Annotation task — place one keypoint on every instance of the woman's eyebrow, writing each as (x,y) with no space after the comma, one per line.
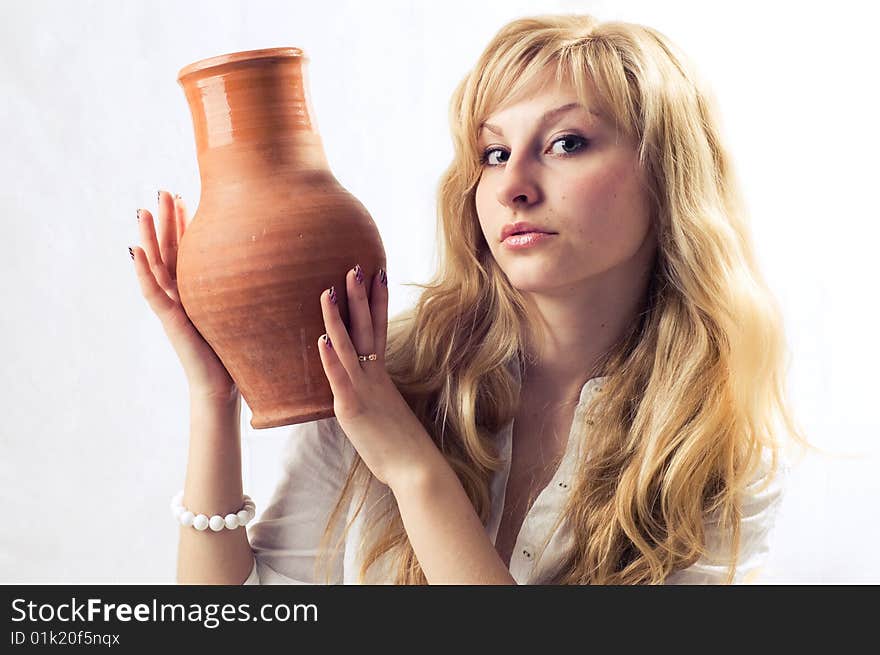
(546,118)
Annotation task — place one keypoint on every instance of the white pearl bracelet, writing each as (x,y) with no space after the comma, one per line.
(216,523)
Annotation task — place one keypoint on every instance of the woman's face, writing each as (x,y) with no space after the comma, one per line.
(571,175)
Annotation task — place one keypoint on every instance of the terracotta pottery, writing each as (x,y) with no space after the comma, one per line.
(273,230)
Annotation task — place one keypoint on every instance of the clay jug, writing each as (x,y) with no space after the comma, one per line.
(273,229)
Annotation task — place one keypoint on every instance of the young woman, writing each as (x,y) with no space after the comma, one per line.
(590,391)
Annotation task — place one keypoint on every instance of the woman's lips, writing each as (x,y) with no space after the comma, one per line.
(526,240)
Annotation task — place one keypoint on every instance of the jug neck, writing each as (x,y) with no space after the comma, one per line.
(252,116)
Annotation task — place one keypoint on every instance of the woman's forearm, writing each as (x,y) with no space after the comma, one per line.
(446,534)
(214,486)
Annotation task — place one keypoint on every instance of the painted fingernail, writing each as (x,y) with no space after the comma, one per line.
(358,274)
(327,342)
(333,294)
(383,278)
(131,252)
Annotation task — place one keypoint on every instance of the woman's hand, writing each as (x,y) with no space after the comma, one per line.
(156,267)
(377,420)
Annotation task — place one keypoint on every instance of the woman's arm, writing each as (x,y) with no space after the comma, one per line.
(449,540)
(213,486)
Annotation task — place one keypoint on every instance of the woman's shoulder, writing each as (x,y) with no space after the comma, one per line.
(762,494)
(767,485)
(759,503)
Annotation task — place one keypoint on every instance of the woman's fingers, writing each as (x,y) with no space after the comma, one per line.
(367,329)
(340,339)
(153,256)
(379,314)
(164,307)
(168,233)
(361,325)
(182,218)
(159,252)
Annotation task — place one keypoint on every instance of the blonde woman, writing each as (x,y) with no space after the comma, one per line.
(590,390)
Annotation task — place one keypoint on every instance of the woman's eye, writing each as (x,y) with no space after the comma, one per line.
(572,144)
(573,141)
(487,154)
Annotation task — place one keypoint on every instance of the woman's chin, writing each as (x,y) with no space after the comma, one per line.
(531,284)
(533,276)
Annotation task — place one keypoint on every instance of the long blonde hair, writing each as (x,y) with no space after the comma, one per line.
(696,388)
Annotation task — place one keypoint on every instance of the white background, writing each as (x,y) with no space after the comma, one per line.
(93,122)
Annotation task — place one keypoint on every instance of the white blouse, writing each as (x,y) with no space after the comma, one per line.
(318,456)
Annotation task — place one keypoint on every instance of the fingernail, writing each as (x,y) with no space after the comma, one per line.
(333,294)
(327,341)
(131,252)
(383,278)
(358,274)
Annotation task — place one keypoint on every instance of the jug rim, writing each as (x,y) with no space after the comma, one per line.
(236,57)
